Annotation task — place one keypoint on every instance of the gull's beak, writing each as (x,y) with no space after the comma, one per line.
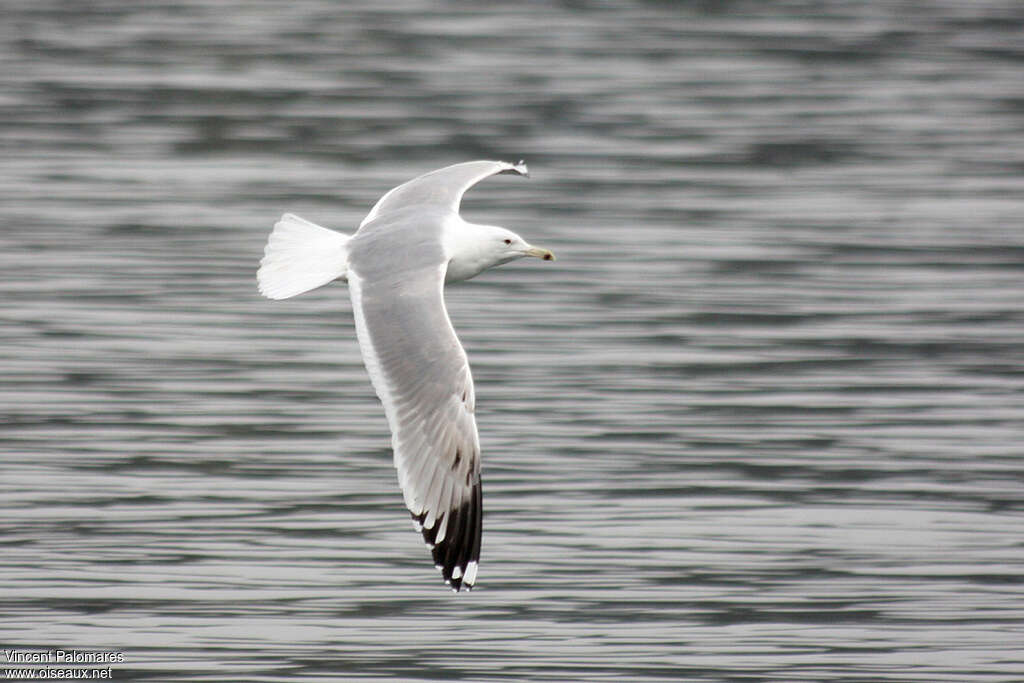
(540,253)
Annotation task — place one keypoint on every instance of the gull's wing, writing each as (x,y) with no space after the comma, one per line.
(442,188)
(422,377)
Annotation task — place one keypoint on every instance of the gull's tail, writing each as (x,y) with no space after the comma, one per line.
(301,256)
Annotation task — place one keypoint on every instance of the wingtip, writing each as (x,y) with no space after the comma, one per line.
(462,581)
(454,540)
(459,584)
(519,168)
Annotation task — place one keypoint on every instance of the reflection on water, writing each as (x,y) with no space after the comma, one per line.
(760,421)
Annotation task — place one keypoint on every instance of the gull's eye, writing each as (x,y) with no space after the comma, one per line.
(508,242)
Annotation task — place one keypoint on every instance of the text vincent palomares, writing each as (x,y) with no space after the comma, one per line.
(62,657)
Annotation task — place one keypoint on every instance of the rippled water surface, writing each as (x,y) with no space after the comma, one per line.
(761,421)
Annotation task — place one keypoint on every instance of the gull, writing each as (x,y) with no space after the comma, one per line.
(396,264)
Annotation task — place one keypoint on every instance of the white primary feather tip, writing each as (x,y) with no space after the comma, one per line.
(301,256)
(470,578)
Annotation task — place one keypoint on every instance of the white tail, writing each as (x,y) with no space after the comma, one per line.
(301,256)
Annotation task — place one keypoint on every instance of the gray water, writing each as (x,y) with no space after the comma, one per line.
(761,421)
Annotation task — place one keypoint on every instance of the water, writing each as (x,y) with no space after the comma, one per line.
(761,421)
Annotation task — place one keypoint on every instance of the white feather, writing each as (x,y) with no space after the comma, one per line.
(470,577)
(301,256)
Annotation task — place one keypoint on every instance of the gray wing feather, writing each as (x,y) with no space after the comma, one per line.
(442,188)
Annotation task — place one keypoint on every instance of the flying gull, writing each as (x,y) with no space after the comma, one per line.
(396,264)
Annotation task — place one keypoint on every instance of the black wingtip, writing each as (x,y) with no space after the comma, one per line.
(457,555)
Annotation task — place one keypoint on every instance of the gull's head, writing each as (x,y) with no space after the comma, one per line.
(507,246)
(475,248)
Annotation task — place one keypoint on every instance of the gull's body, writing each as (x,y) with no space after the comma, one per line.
(410,244)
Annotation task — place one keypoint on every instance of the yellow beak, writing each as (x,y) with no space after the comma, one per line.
(540,253)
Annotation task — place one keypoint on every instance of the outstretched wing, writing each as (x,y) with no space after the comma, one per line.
(422,376)
(442,188)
